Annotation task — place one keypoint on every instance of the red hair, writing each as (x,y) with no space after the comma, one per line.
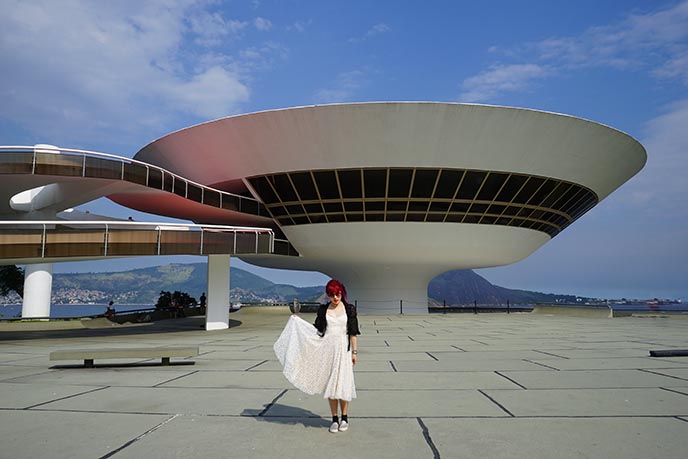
(334,287)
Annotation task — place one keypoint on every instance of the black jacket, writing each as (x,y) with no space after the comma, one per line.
(351,321)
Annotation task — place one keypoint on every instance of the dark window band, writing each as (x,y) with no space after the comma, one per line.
(423,195)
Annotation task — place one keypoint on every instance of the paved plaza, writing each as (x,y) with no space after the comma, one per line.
(444,386)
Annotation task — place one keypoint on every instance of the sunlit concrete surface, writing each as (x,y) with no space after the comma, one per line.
(448,386)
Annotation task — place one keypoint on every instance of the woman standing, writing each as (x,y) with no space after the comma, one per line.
(319,358)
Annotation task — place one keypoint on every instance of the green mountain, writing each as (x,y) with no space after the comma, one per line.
(464,287)
(143,286)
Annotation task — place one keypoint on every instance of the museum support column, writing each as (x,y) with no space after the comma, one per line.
(217,312)
(38,286)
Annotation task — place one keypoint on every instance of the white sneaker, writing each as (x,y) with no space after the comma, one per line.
(343,426)
(334,428)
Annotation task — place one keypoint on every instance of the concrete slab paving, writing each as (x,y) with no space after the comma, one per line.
(433,380)
(592,402)
(469,365)
(587,389)
(22,396)
(589,379)
(280,438)
(130,377)
(34,434)
(619,438)
(406,403)
(167,400)
(619,363)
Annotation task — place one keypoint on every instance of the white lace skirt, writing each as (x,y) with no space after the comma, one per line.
(317,365)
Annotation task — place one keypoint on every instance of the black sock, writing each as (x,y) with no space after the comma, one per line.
(345,418)
(335,419)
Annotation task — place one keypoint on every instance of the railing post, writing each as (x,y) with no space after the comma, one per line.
(508,311)
(107,237)
(401,306)
(444,303)
(201,248)
(43,241)
(475,306)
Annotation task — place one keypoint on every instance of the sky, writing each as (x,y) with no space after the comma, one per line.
(114,76)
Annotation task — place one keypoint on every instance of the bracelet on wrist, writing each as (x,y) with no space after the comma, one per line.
(354,351)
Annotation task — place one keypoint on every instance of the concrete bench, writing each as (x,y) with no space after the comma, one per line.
(88,355)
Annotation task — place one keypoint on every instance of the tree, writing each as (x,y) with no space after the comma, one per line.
(11,280)
(182,299)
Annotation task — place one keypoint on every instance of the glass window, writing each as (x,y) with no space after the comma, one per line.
(396,205)
(103,168)
(375,205)
(556,194)
(168,182)
(354,206)
(418,206)
(332,207)
(374,216)
(542,193)
(399,183)
(283,187)
(304,186)
(435,217)
(528,190)
(194,192)
(375,181)
(295,209)
(460,207)
(493,183)
(478,208)
(448,183)
(471,184)
(415,217)
(327,184)
(395,216)
(313,208)
(277,211)
(350,183)
(154,178)
(135,173)
(511,187)
(335,218)
(354,217)
(424,183)
(179,186)
(264,190)
(439,206)
(211,198)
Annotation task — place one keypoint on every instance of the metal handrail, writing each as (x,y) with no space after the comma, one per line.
(122,159)
(158,227)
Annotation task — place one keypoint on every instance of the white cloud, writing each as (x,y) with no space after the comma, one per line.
(377,29)
(262,24)
(659,191)
(76,69)
(498,79)
(343,89)
(298,26)
(656,42)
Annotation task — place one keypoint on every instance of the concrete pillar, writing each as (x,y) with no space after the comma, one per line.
(217,311)
(38,286)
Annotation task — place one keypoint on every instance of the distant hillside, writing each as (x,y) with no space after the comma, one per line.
(465,287)
(142,286)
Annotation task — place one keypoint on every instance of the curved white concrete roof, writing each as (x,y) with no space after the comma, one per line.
(401,134)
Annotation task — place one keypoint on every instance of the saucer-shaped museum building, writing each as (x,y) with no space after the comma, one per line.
(386,196)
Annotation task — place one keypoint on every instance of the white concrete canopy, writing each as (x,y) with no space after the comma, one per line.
(385,262)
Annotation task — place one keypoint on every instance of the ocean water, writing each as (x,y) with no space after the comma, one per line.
(87,310)
(74,310)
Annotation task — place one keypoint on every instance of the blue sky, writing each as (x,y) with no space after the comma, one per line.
(112,76)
